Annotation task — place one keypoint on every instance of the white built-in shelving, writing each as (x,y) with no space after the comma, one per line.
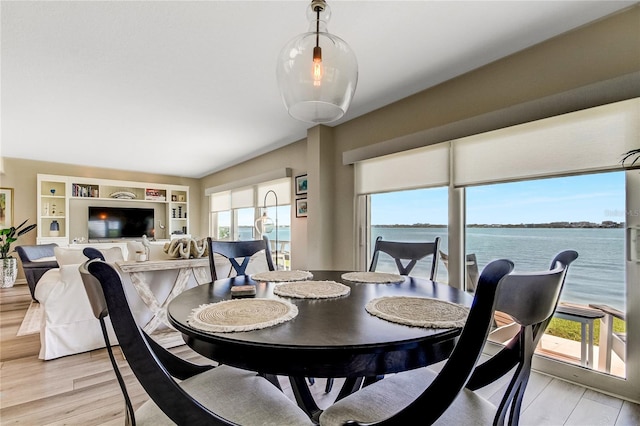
(57,195)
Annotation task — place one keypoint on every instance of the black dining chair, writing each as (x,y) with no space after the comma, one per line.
(448,397)
(181,392)
(234,250)
(407,254)
(533,314)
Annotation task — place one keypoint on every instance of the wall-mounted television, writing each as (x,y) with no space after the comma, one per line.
(120,222)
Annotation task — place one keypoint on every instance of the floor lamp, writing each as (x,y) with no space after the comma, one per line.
(264,224)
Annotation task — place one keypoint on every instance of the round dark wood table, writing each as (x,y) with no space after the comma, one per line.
(333,337)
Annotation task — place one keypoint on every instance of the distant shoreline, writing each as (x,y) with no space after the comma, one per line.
(559,225)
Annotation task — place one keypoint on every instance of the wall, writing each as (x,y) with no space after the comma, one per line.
(603,50)
(21,175)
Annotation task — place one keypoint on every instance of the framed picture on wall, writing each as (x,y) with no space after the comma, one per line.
(301,184)
(6,208)
(301,207)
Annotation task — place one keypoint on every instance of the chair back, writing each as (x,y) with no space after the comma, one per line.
(444,389)
(234,250)
(407,254)
(99,307)
(150,362)
(471,268)
(530,299)
(93,253)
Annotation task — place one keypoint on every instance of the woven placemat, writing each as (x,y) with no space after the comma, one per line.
(372,277)
(312,289)
(419,311)
(241,315)
(278,276)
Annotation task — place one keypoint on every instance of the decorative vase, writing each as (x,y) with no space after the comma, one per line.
(9,272)
(54,228)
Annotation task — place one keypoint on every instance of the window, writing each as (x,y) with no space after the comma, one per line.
(234,214)
(563,171)
(530,221)
(415,215)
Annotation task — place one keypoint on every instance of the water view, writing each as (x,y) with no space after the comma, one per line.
(597,276)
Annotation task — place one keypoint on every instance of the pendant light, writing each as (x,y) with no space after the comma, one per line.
(317,71)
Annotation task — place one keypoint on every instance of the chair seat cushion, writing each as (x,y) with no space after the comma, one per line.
(384,398)
(240,396)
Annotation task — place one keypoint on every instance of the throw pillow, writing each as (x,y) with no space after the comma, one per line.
(69,256)
(74,256)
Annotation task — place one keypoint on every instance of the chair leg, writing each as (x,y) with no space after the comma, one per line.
(329,385)
(130,416)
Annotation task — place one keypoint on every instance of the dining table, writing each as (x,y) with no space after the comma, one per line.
(335,337)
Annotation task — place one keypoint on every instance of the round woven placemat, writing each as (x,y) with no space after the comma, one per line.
(419,311)
(372,277)
(278,276)
(312,289)
(241,315)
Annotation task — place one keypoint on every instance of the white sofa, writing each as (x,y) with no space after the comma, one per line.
(69,326)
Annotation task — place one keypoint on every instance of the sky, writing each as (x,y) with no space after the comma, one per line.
(593,198)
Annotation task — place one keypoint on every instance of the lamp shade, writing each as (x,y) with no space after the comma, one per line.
(317,72)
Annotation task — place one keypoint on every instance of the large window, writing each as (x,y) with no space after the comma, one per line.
(234,215)
(415,215)
(529,222)
(525,193)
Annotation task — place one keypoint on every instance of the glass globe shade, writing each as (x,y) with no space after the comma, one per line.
(317,93)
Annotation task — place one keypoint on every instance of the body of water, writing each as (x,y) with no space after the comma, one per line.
(597,276)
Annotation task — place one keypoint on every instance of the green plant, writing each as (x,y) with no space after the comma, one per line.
(10,235)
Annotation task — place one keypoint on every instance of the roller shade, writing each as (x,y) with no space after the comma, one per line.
(582,141)
(221,201)
(282,188)
(242,198)
(416,168)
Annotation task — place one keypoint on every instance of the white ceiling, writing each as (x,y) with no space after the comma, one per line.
(187,88)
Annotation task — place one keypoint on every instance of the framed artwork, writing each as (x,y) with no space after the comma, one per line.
(6,208)
(301,207)
(301,184)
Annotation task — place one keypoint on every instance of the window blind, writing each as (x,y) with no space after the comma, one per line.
(582,141)
(415,168)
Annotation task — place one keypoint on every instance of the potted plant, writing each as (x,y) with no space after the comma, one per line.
(9,270)
(630,154)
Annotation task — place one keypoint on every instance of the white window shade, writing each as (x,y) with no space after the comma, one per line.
(221,201)
(582,141)
(416,168)
(282,188)
(242,198)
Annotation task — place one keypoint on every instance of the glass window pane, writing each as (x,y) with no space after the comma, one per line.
(530,222)
(223,228)
(414,215)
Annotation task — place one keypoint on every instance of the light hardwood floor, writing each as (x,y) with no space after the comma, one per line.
(82,390)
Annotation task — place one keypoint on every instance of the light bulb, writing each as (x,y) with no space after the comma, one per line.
(318,69)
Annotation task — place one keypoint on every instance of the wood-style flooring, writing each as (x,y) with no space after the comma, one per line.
(82,390)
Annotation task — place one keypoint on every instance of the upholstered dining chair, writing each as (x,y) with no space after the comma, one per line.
(448,397)
(407,254)
(201,395)
(233,250)
(423,394)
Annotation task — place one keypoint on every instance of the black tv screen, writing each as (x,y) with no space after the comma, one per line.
(120,222)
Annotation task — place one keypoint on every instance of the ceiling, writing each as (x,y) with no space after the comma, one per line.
(187,88)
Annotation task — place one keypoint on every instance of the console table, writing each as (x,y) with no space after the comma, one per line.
(142,277)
